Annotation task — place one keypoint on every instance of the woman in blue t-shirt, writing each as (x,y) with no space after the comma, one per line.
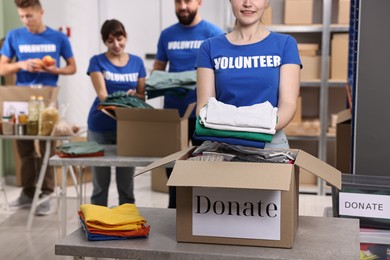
(114,70)
(251,65)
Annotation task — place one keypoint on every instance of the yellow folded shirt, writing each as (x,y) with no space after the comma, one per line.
(123,217)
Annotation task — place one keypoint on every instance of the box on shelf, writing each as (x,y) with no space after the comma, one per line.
(267,16)
(344,11)
(151,132)
(339,57)
(311,68)
(366,197)
(343,141)
(308,49)
(298,113)
(257,201)
(298,12)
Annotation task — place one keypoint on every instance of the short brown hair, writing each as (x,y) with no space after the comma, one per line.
(27,3)
(113,27)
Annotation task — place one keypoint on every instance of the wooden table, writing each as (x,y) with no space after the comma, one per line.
(317,238)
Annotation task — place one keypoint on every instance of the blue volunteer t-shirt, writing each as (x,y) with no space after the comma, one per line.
(23,45)
(248,74)
(179,46)
(116,79)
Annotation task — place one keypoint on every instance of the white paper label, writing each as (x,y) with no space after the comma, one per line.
(236,213)
(364,205)
(15,106)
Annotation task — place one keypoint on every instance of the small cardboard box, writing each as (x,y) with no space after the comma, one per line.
(151,132)
(339,57)
(308,49)
(311,68)
(344,11)
(267,16)
(343,141)
(298,12)
(240,203)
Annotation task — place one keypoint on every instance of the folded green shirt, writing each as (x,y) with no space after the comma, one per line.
(202,130)
(78,148)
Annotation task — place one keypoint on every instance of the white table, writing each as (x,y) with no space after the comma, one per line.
(110,159)
(36,201)
(317,238)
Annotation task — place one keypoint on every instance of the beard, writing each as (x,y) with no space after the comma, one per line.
(186,20)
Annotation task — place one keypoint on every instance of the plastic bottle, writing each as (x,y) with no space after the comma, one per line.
(32,123)
(32,109)
(40,108)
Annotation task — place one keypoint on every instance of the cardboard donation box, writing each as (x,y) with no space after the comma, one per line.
(298,12)
(240,203)
(151,132)
(22,94)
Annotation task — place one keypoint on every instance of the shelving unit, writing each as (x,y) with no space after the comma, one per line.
(322,29)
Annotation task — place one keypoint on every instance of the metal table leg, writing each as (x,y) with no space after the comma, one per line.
(38,187)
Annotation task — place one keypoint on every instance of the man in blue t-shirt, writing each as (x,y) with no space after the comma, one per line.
(28,45)
(178,47)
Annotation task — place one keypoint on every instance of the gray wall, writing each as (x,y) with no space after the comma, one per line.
(371,115)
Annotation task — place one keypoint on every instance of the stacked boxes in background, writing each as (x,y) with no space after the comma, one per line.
(298,12)
(267,16)
(344,11)
(311,61)
(339,57)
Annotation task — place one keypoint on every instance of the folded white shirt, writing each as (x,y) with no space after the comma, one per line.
(204,114)
(258,115)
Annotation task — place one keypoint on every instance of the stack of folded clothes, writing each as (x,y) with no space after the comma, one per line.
(247,125)
(122,99)
(118,223)
(162,82)
(79,149)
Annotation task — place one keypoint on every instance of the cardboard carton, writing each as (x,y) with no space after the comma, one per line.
(23,93)
(311,68)
(267,16)
(344,11)
(339,57)
(298,12)
(240,203)
(151,132)
(343,141)
(308,49)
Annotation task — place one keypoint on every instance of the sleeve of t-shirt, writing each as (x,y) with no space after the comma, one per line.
(204,58)
(161,54)
(66,49)
(142,70)
(7,49)
(291,54)
(93,65)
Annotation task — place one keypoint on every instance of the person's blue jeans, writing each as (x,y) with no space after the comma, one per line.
(101,176)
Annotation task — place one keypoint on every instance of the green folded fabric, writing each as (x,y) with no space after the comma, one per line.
(122,99)
(202,130)
(78,148)
(164,79)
